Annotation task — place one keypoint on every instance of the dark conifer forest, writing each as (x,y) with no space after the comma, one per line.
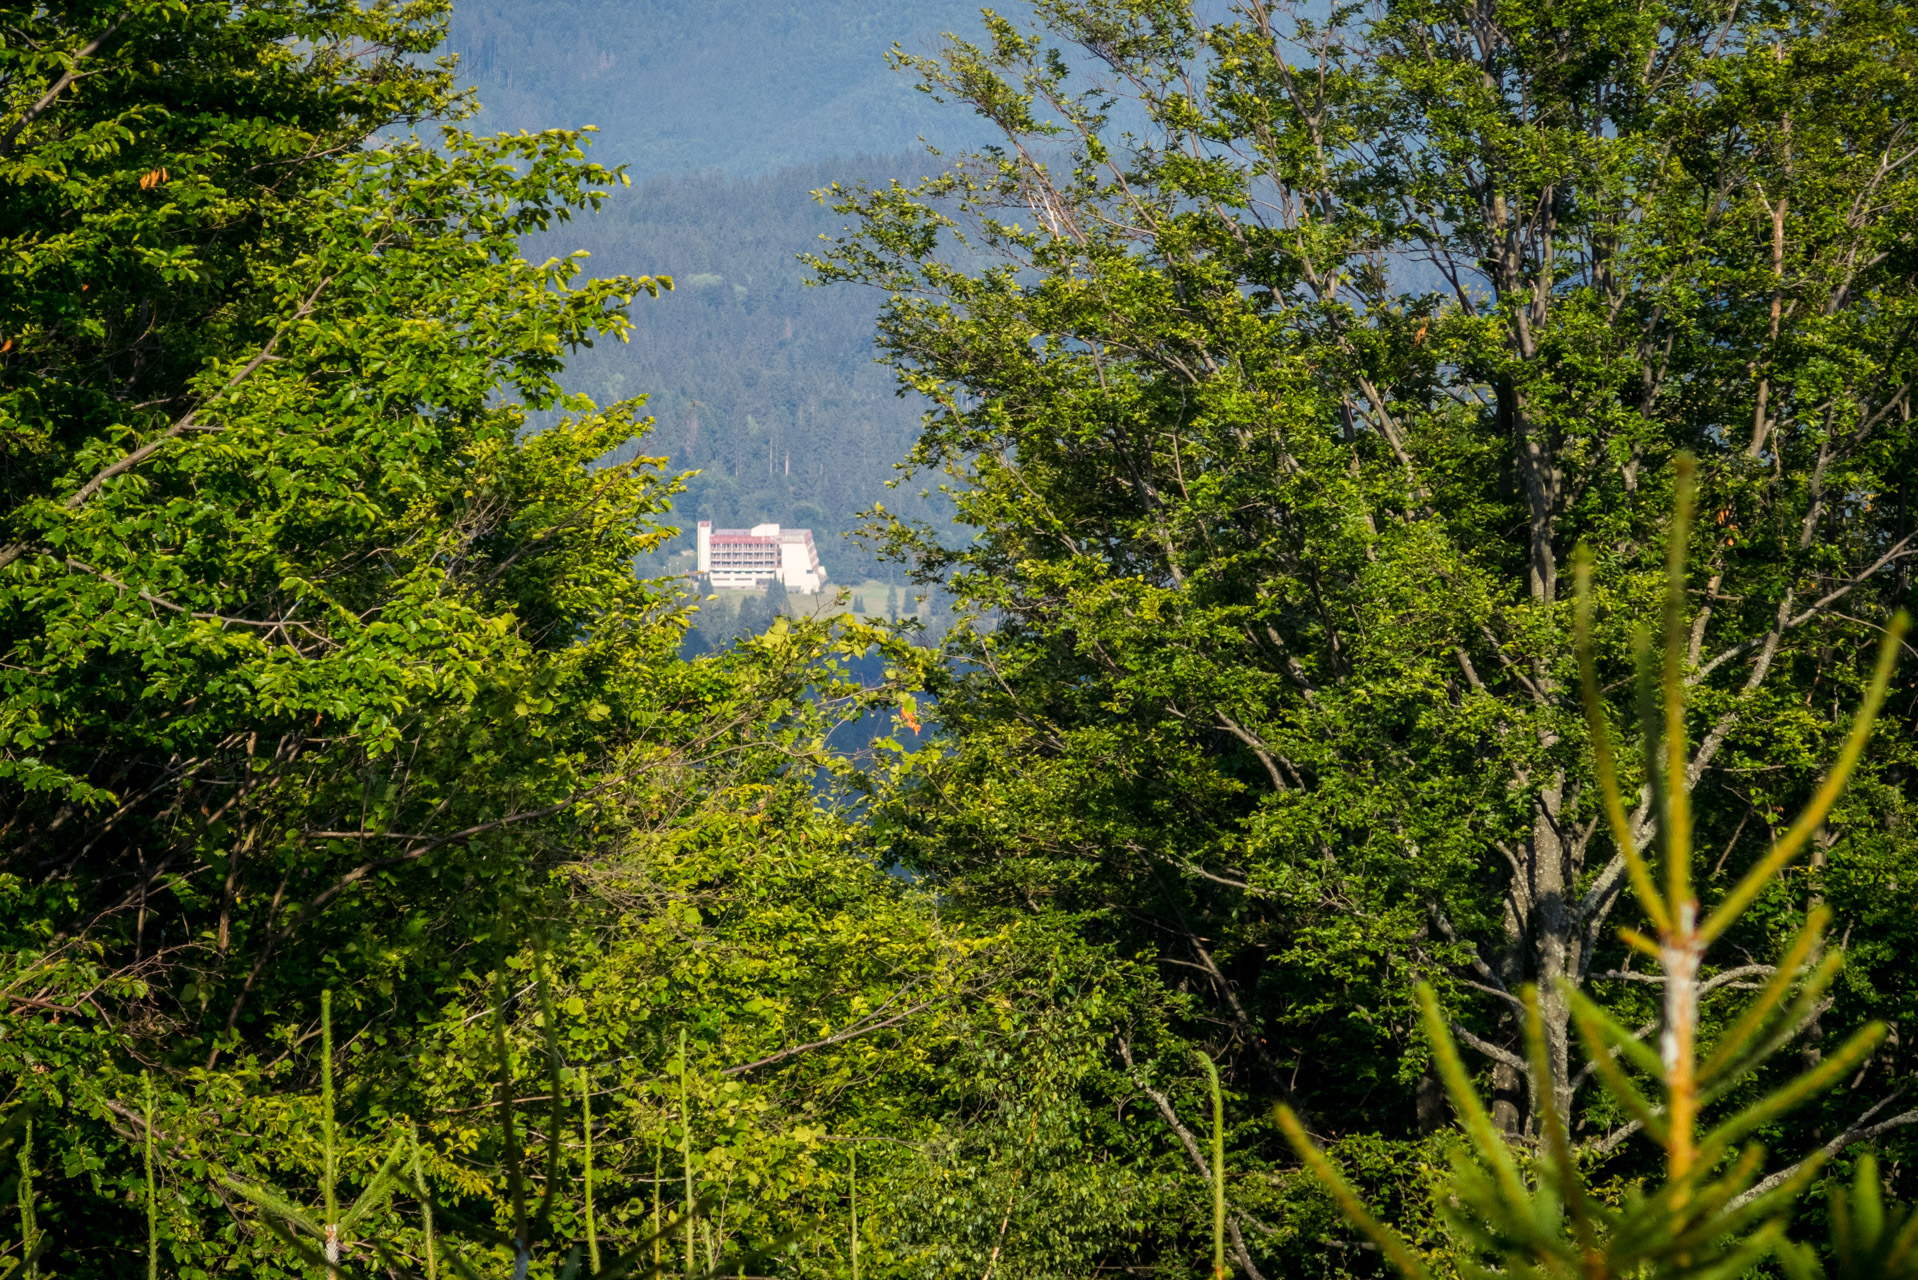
(765,386)
(1382,741)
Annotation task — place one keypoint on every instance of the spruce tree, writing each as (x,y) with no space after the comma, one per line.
(1712,1209)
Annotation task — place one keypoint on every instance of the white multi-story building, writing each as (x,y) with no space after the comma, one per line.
(748,559)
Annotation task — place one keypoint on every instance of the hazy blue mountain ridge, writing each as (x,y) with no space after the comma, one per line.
(740,86)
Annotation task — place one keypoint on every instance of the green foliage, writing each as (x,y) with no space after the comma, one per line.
(818,1002)
(1273,422)
(341,742)
(1218,1168)
(323,671)
(1869,1237)
(152,1190)
(270,598)
(32,1239)
(1710,1214)
(332,1226)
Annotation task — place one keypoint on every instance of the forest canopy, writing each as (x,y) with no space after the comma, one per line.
(1361,427)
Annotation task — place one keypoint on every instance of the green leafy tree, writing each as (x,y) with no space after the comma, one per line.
(321,665)
(748,997)
(1710,1213)
(1280,358)
(304,622)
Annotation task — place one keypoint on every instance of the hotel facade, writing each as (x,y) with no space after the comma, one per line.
(749,559)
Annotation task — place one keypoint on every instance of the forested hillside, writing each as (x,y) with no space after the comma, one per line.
(728,117)
(1417,774)
(767,387)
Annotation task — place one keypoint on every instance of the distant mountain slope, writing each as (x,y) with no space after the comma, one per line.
(741,86)
(764,384)
(728,113)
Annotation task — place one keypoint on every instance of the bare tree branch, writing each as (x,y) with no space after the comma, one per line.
(1232,727)
(67,77)
(1491,1050)
(1858,1131)
(863,1027)
(1729,978)
(1192,1150)
(1899,550)
(85,492)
